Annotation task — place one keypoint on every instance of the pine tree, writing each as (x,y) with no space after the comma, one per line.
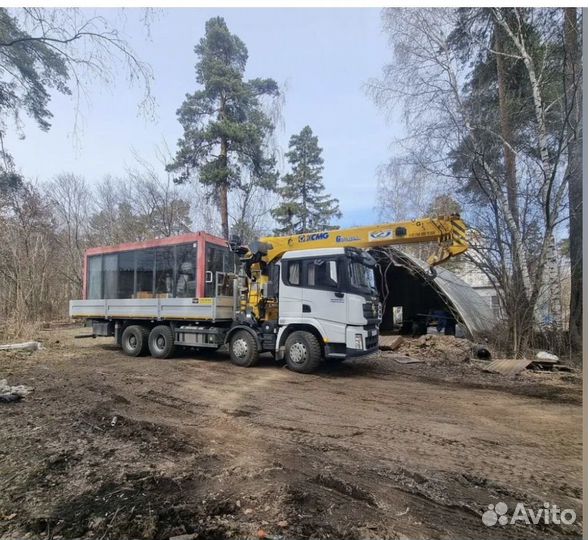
(305,206)
(225,127)
(41,52)
(573,94)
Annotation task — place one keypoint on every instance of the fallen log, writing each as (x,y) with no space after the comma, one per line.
(27,346)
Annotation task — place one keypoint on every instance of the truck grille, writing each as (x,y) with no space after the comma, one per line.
(370,310)
(371,342)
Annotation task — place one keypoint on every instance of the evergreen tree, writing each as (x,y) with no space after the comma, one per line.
(41,52)
(225,128)
(305,206)
(573,95)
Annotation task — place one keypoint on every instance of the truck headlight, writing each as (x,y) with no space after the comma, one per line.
(358,341)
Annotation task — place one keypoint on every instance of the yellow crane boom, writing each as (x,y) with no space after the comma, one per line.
(449,232)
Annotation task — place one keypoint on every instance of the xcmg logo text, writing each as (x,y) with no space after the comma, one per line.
(313,236)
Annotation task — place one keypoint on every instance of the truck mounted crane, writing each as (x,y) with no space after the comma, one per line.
(303,297)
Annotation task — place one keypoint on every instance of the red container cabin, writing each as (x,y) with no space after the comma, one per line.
(183,266)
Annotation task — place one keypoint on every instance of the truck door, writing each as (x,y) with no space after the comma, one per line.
(219,261)
(290,291)
(322,298)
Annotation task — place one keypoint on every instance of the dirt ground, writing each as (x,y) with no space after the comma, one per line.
(108,446)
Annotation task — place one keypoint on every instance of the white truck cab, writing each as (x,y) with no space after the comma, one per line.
(331,292)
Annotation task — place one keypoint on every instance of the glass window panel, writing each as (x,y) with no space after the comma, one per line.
(333,274)
(362,276)
(110,276)
(321,273)
(211,267)
(144,263)
(164,272)
(310,276)
(294,273)
(185,274)
(126,274)
(217,260)
(94,286)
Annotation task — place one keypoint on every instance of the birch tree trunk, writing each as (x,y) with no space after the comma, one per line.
(550,211)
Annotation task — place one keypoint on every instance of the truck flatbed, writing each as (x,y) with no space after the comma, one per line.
(213,309)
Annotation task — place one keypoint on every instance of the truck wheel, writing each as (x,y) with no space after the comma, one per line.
(243,349)
(134,340)
(161,342)
(303,352)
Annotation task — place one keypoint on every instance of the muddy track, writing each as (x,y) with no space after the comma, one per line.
(114,447)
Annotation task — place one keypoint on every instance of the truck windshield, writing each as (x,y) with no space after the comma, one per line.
(362,276)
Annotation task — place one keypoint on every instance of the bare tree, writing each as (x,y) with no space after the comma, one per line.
(112,220)
(70,198)
(405,190)
(164,204)
(27,260)
(250,211)
(139,206)
(453,135)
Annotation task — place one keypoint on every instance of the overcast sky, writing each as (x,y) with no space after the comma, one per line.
(322,57)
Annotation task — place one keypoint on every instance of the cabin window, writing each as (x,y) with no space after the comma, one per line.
(95,277)
(185,275)
(294,272)
(164,272)
(126,274)
(218,261)
(110,269)
(145,262)
(321,274)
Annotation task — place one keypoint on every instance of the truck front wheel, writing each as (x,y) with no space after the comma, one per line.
(134,340)
(303,352)
(243,349)
(161,342)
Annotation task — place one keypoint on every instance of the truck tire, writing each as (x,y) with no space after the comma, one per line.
(134,340)
(161,342)
(243,349)
(303,352)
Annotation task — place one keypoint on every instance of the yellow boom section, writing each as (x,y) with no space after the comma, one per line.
(449,232)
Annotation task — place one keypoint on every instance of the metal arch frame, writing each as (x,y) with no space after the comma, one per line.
(417,266)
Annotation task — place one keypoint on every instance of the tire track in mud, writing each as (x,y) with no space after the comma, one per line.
(303,438)
(350,452)
(401,479)
(456,453)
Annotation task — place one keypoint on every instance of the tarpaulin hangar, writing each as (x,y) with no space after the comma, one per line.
(405,282)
